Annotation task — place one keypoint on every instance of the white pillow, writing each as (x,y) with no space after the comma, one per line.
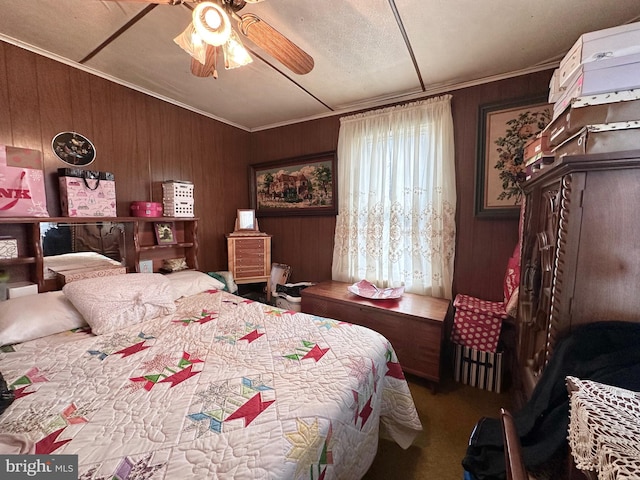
(34,316)
(111,303)
(190,282)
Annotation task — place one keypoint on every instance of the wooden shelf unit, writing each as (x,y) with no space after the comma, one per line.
(140,244)
(146,248)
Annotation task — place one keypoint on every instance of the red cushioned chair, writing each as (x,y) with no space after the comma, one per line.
(477,323)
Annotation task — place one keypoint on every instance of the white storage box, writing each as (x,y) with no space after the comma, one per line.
(477,368)
(177,190)
(178,208)
(607,75)
(555,92)
(610,42)
(177,198)
(21,289)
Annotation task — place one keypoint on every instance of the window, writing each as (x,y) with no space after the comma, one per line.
(396,188)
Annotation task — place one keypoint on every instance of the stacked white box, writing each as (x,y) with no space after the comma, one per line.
(599,62)
(596,93)
(177,198)
(595,46)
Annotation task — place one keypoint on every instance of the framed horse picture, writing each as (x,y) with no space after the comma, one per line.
(295,186)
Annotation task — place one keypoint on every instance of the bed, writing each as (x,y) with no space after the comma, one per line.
(167,376)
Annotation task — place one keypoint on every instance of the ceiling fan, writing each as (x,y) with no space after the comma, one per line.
(210,33)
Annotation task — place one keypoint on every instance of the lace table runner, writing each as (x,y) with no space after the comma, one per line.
(604,429)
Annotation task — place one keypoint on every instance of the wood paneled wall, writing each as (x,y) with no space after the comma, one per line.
(483,246)
(303,242)
(143,141)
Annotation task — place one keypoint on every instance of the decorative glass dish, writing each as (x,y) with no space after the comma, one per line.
(366,289)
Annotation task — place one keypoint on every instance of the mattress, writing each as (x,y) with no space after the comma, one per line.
(223,388)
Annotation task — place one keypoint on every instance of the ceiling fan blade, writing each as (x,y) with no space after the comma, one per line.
(275,44)
(209,67)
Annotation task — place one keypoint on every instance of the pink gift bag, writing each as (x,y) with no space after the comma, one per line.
(22,192)
(87,193)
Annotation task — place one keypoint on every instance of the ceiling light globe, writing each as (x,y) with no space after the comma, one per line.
(212,19)
(211,23)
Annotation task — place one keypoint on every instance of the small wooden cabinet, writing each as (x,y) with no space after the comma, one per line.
(414,324)
(250,258)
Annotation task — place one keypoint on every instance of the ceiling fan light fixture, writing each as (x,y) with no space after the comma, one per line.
(211,23)
(190,42)
(235,55)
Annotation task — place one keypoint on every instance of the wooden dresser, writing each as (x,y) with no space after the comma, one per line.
(580,253)
(414,324)
(250,258)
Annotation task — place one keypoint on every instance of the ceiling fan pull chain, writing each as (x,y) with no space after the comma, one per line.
(215,63)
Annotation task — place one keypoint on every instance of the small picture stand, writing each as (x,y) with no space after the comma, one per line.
(246,223)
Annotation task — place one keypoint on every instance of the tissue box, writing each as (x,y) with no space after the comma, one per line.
(477,368)
(8,247)
(20,289)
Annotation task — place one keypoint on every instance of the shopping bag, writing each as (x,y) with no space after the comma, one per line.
(87,193)
(22,191)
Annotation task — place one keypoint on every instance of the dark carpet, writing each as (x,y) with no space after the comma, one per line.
(448,417)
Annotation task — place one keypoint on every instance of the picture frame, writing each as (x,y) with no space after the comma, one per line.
(246,220)
(145,266)
(295,186)
(165,233)
(504,128)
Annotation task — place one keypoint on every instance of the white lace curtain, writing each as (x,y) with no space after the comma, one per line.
(397,198)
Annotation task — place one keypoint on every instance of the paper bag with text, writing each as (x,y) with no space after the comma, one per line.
(22,191)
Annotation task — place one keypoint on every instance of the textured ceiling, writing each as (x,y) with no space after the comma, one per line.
(367,52)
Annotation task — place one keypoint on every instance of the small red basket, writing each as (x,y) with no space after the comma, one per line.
(146,209)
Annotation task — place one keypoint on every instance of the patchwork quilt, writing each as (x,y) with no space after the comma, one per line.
(223,388)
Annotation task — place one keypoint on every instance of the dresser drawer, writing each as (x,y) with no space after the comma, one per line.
(249,245)
(250,271)
(250,260)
